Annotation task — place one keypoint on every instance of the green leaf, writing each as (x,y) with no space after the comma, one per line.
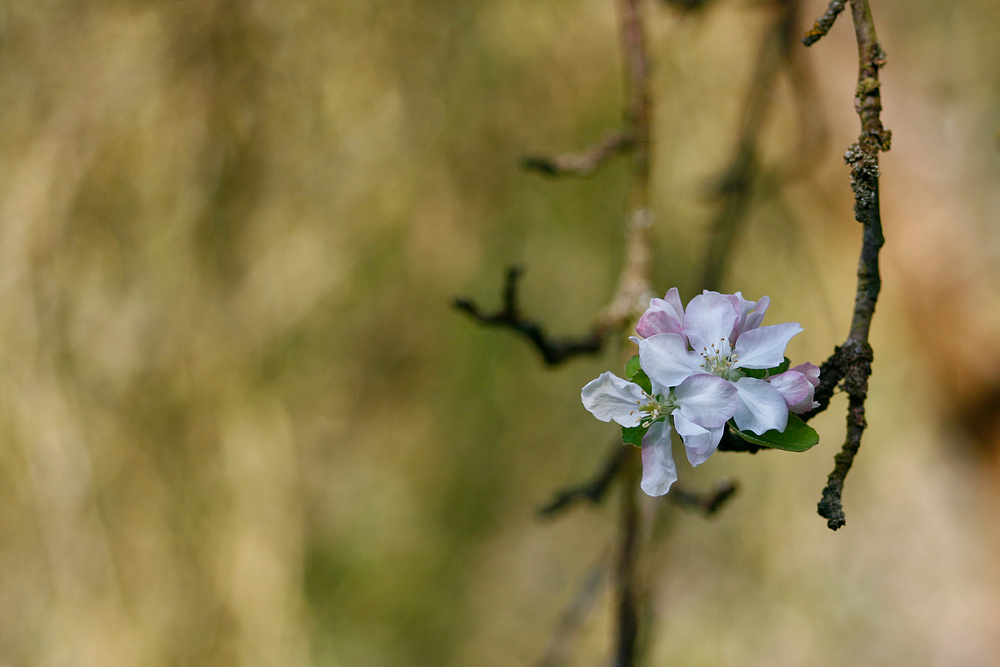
(632,435)
(641,379)
(635,374)
(632,367)
(761,373)
(797,436)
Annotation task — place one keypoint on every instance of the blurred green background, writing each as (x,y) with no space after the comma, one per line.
(240,423)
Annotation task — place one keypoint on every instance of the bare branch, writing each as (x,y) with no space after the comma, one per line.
(554,351)
(853,360)
(583,163)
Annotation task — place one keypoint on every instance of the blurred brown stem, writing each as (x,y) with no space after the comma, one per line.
(583,163)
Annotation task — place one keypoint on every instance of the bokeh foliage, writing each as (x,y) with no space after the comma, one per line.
(240,423)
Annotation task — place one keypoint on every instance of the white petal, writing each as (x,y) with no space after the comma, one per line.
(667,361)
(611,398)
(673,299)
(659,471)
(751,314)
(761,407)
(707,400)
(764,347)
(699,443)
(708,321)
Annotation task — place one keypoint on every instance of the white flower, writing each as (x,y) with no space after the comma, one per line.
(699,407)
(725,334)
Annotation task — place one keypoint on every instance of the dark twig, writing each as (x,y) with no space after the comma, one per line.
(824,23)
(854,358)
(707,503)
(554,350)
(593,490)
(583,163)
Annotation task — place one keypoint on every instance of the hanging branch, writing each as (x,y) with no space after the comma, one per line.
(852,361)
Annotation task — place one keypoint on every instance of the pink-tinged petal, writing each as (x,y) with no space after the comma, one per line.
(708,321)
(764,347)
(796,389)
(810,371)
(667,361)
(659,471)
(657,321)
(707,400)
(761,407)
(611,398)
(699,443)
(663,316)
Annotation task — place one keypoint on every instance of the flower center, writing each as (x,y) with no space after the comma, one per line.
(656,407)
(720,359)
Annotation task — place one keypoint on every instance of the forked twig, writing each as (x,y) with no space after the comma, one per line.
(554,351)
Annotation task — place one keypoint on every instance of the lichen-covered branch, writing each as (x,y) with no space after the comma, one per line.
(852,361)
(824,23)
(554,351)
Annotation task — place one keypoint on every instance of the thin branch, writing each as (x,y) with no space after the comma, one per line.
(554,351)
(743,176)
(593,490)
(572,618)
(855,356)
(583,163)
(707,503)
(824,23)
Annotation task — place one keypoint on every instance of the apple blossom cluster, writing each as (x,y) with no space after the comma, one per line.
(699,369)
